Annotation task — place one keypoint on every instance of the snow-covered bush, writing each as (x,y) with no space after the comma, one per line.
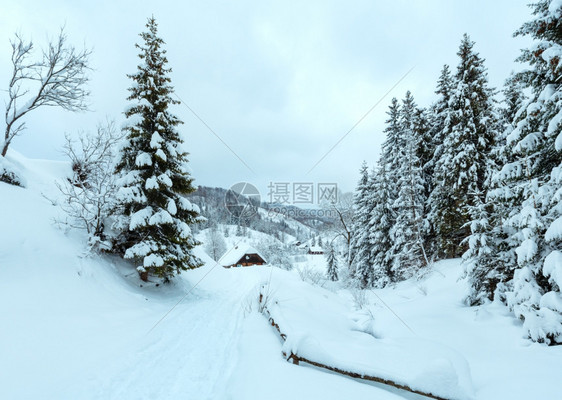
(10,174)
(312,276)
(215,246)
(275,253)
(359,296)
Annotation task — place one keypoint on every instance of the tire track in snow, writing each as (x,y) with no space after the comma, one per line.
(191,355)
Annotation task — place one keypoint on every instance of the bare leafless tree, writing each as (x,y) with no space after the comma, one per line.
(57,79)
(90,193)
(342,210)
(215,246)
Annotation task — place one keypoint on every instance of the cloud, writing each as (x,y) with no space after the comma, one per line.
(281,82)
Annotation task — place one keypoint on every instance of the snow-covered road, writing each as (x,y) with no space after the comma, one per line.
(214,345)
(188,355)
(191,353)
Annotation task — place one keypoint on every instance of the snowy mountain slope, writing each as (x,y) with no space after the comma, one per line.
(73,327)
(251,236)
(276,216)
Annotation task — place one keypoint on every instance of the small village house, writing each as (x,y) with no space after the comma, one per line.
(315,250)
(242,256)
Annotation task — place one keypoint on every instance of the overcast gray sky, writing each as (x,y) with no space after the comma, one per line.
(280,82)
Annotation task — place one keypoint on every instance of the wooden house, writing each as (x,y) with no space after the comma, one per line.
(242,256)
(315,250)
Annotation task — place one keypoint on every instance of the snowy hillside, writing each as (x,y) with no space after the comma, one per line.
(78,326)
(74,327)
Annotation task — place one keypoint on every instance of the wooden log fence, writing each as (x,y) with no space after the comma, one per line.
(296,359)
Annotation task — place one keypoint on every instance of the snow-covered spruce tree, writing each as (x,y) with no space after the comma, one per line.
(514,98)
(361,266)
(332,264)
(425,147)
(153,214)
(380,225)
(509,112)
(534,178)
(377,217)
(438,194)
(490,259)
(393,145)
(425,152)
(469,137)
(407,248)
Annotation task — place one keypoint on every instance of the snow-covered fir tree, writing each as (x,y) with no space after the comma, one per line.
(533,180)
(153,216)
(490,259)
(438,114)
(514,97)
(425,152)
(377,216)
(487,260)
(361,267)
(425,147)
(332,263)
(407,248)
(437,196)
(469,137)
(380,225)
(393,144)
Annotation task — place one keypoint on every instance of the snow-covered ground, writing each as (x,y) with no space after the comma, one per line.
(73,326)
(504,364)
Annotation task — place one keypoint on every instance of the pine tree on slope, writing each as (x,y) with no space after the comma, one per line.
(438,196)
(407,249)
(488,258)
(489,262)
(394,144)
(425,147)
(514,98)
(379,232)
(425,152)
(153,217)
(470,134)
(361,262)
(535,178)
(332,270)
